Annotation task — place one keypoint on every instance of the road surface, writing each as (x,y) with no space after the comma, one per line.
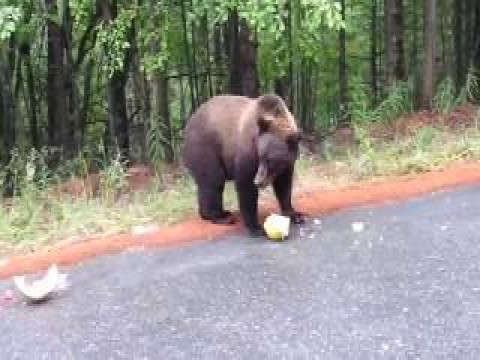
(407,286)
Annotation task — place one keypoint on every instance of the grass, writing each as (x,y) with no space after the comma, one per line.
(428,149)
(35,218)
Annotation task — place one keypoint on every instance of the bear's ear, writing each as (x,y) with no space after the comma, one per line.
(271,104)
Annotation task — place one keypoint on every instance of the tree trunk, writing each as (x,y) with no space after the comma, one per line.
(188,56)
(209,64)
(7,112)
(475,62)
(342,72)
(161,112)
(73,98)
(58,130)
(218,58)
(117,112)
(373,53)
(283,85)
(243,79)
(118,125)
(32,103)
(395,62)
(193,68)
(468,32)
(458,44)
(8,119)
(429,64)
(83,112)
(141,104)
(476,50)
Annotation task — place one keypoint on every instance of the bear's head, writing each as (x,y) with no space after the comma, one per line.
(275,155)
(275,118)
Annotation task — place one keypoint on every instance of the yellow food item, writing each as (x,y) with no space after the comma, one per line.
(277,227)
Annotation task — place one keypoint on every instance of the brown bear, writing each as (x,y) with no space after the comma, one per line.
(253,142)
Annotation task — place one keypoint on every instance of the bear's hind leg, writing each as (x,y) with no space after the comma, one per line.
(210,203)
(209,175)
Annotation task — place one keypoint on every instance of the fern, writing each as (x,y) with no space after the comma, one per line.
(472,87)
(445,99)
(156,140)
(397,103)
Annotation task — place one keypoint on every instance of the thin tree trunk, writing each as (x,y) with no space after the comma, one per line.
(373,53)
(83,113)
(443,38)
(475,62)
(209,65)
(243,78)
(283,85)
(161,112)
(188,57)
(141,102)
(32,103)
(7,111)
(468,33)
(118,118)
(118,126)
(72,120)
(395,62)
(342,71)
(217,55)
(194,64)
(58,130)
(8,120)
(429,65)
(458,44)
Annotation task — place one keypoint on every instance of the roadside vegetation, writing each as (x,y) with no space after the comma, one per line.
(71,204)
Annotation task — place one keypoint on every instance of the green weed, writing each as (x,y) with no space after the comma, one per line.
(445,99)
(33,217)
(397,103)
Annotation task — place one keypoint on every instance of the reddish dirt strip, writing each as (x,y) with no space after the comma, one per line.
(313,203)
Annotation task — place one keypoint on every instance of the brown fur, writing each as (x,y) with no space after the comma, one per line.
(222,143)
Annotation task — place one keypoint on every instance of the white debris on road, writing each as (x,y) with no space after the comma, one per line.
(358,226)
(144,229)
(40,289)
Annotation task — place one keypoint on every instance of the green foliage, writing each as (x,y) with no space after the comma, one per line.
(445,99)
(9,19)
(424,138)
(397,103)
(156,140)
(428,149)
(27,171)
(159,36)
(268,20)
(113,179)
(113,37)
(472,87)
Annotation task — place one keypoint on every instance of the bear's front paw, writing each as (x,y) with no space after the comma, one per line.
(257,232)
(296,217)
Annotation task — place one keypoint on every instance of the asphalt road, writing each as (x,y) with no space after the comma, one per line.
(407,286)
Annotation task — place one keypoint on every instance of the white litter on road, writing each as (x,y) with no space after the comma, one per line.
(358,226)
(40,289)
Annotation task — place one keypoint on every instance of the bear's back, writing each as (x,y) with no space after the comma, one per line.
(226,125)
(224,119)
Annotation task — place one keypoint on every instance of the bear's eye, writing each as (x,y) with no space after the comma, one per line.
(270,164)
